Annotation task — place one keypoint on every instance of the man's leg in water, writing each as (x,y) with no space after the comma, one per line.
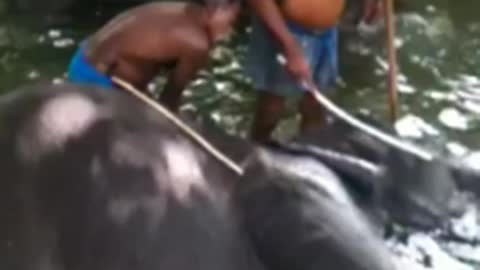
(312,114)
(272,82)
(268,112)
(325,72)
(183,73)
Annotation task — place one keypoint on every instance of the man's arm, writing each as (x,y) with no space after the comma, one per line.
(269,12)
(186,68)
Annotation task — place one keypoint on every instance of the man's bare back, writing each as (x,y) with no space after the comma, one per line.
(133,44)
(137,44)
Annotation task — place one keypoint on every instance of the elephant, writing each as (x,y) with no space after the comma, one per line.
(94,179)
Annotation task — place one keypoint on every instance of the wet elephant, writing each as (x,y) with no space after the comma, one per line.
(93,179)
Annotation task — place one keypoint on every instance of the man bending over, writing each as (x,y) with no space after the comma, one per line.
(137,44)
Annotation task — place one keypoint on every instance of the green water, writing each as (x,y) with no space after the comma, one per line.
(439,59)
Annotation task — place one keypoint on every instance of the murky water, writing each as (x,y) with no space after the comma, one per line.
(439,84)
(439,80)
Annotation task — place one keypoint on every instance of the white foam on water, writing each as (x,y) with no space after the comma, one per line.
(33,74)
(466,226)
(57,81)
(421,247)
(412,126)
(456,148)
(471,106)
(440,96)
(454,119)
(63,43)
(406,89)
(54,33)
(41,39)
(464,252)
(472,161)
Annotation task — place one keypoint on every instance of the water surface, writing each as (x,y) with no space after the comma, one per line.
(439,80)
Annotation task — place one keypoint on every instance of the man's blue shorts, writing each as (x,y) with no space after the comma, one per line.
(81,71)
(268,74)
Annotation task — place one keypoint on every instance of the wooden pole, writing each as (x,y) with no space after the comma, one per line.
(238,169)
(392,60)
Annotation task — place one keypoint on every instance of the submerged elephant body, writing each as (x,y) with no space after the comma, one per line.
(95,180)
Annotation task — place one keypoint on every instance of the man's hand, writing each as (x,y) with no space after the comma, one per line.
(297,65)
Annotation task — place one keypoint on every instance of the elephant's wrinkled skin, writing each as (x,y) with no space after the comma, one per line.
(93,179)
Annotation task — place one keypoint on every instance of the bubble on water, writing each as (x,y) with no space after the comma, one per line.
(406,89)
(188,107)
(398,42)
(365,111)
(359,49)
(366,30)
(188,93)
(415,59)
(381,62)
(439,258)
(57,81)
(63,43)
(230,121)
(54,33)
(452,118)
(401,78)
(33,74)
(466,226)
(467,86)
(472,161)
(467,253)
(221,86)
(420,248)
(440,96)
(41,39)
(456,148)
(216,117)
(235,65)
(151,88)
(425,104)
(471,106)
(431,8)
(442,53)
(198,82)
(469,79)
(236,97)
(412,126)
(468,95)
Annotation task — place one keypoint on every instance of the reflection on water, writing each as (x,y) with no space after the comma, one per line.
(439,82)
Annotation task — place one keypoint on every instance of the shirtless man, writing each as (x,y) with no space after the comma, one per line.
(305,33)
(138,43)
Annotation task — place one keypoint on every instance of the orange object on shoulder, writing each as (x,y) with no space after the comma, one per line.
(313,14)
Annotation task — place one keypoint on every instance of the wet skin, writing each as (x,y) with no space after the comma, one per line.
(90,185)
(139,43)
